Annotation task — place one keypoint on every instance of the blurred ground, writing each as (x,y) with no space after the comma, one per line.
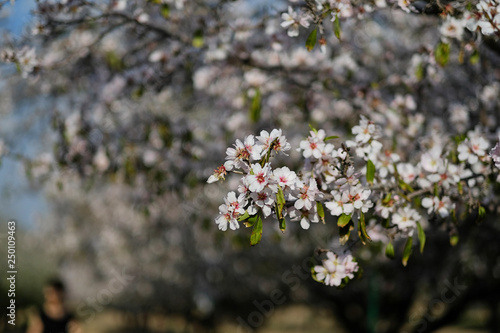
(294,318)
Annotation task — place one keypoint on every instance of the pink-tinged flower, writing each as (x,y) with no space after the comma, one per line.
(230,211)
(259,177)
(447,175)
(495,155)
(350,266)
(237,157)
(226,217)
(307,195)
(265,200)
(253,149)
(359,198)
(473,148)
(274,140)
(440,206)
(314,144)
(218,174)
(285,177)
(292,20)
(236,204)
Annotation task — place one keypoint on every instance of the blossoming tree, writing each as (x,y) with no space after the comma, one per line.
(400,100)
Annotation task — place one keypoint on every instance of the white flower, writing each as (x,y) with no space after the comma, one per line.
(351,179)
(275,141)
(265,200)
(473,148)
(407,172)
(230,211)
(328,153)
(406,219)
(404,5)
(453,28)
(27,61)
(385,163)
(431,160)
(441,206)
(334,269)
(350,266)
(293,20)
(285,177)
(218,174)
(314,144)
(307,195)
(495,155)
(447,175)
(365,131)
(305,216)
(242,153)
(101,160)
(260,178)
(340,204)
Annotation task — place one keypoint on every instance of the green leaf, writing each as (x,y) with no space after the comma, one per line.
(336,27)
(256,232)
(280,198)
(243,217)
(442,53)
(198,40)
(482,212)
(343,220)
(256,106)
(282,223)
(321,211)
(474,58)
(421,237)
(313,129)
(370,171)
(389,251)
(331,137)
(419,72)
(454,239)
(407,251)
(311,40)
(165,10)
(250,221)
(363,235)
(345,232)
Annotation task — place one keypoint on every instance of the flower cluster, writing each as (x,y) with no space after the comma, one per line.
(334,270)
(358,178)
(25,59)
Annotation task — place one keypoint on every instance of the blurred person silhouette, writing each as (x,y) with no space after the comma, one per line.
(53,317)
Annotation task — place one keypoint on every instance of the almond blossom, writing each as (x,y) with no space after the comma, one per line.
(441,206)
(292,20)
